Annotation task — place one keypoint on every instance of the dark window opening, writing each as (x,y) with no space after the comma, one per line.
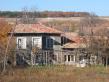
(68,57)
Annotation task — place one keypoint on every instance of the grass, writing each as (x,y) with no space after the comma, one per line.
(57,74)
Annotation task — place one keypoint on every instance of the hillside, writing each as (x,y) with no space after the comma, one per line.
(77,19)
(42,14)
(60,23)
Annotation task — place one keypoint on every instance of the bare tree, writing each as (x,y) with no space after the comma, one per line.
(29,16)
(88,24)
(7,47)
(87,28)
(103,45)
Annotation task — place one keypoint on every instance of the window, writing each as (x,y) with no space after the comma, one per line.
(36,41)
(72,58)
(68,58)
(49,43)
(21,43)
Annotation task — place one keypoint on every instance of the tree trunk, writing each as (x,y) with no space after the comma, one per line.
(106,62)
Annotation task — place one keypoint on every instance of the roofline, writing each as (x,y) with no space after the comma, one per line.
(35,34)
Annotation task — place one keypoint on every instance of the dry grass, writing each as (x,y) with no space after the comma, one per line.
(57,74)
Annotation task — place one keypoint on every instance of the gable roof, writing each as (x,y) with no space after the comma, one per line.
(74,37)
(77,41)
(34,28)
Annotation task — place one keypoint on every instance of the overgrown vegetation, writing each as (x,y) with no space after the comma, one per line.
(56,74)
(95,37)
(5,28)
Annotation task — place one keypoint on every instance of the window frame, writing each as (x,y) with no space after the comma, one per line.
(21,43)
(69,58)
(37,43)
(49,42)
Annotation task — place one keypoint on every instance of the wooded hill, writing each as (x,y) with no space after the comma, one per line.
(44,14)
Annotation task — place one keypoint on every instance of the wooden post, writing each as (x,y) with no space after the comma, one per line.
(74,58)
(106,62)
(32,59)
(61,57)
(46,56)
(57,58)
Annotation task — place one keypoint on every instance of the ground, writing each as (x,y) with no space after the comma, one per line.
(57,74)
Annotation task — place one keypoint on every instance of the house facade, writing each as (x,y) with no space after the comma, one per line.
(35,40)
(38,44)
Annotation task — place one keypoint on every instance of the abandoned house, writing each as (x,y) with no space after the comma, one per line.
(38,44)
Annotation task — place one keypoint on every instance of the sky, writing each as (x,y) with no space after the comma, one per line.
(99,7)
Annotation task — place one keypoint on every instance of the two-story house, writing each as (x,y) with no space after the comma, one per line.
(39,44)
(29,36)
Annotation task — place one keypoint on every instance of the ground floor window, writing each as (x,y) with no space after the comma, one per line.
(69,58)
(72,58)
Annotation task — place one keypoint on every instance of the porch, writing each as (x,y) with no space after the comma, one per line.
(46,57)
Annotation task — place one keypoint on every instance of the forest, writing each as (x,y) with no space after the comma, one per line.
(43,14)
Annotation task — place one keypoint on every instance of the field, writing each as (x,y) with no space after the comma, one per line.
(56,74)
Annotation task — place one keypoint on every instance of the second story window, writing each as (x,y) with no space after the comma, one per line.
(36,42)
(49,43)
(21,43)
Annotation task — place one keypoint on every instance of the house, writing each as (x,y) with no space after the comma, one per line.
(38,44)
(44,39)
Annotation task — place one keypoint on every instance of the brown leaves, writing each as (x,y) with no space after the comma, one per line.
(4,29)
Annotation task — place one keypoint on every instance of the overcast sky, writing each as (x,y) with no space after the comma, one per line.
(100,7)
